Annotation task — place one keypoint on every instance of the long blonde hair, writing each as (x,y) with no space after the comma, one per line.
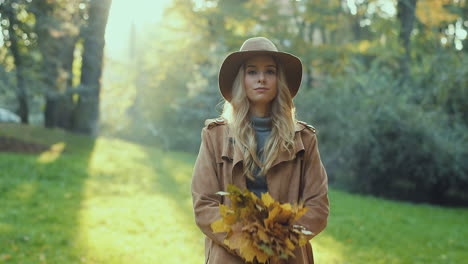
(281,138)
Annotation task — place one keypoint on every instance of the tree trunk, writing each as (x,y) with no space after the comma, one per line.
(21,95)
(406,15)
(57,47)
(59,104)
(65,106)
(86,115)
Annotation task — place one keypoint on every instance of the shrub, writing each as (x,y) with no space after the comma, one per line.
(406,153)
(180,128)
(376,139)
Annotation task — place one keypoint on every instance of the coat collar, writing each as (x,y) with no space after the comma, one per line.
(232,152)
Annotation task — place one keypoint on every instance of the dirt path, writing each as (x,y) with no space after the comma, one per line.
(8,144)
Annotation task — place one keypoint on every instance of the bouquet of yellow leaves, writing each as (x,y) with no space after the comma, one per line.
(260,229)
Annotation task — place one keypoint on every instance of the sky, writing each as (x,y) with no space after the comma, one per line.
(122,14)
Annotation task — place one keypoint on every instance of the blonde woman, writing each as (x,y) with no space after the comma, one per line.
(258,144)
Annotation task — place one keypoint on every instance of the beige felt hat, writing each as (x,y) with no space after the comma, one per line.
(291,64)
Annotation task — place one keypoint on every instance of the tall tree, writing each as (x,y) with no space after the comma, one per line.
(57,27)
(9,9)
(406,15)
(86,115)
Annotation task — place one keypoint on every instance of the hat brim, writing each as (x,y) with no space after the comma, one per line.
(291,66)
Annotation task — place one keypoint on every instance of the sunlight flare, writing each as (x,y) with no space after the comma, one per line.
(52,154)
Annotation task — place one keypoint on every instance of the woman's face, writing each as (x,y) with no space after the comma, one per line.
(260,81)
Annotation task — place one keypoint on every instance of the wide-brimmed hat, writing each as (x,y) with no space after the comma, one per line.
(291,65)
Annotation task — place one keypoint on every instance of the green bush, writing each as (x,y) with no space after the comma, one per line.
(180,127)
(405,153)
(443,82)
(375,139)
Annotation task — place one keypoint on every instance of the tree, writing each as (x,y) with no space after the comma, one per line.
(57,26)
(86,114)
(9,9)
(406,15)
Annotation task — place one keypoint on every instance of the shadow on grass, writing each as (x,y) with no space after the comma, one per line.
(95,201)
(40,197)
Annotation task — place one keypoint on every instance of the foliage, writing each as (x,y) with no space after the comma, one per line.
(260,229)
(7,96)
(187,112)
(351,54)
(413,155)
(97,205)
(353,89)
(442,87)
(43,40)
(381,141)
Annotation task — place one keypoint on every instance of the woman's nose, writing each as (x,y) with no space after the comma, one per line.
(261,77)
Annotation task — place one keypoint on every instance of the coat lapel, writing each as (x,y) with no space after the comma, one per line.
(230,150)
(298,146)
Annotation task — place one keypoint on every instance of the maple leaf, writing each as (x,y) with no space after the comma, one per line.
(219,226)
(260,229)
(267,199)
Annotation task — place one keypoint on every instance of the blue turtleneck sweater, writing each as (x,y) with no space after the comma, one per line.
(262,127)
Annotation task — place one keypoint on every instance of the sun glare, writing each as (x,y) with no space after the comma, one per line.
(52,154)
(130,213)
(123,13)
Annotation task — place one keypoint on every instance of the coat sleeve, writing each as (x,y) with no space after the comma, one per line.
(205,184)
(315,190)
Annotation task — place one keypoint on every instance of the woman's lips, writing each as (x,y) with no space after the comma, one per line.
(261,89)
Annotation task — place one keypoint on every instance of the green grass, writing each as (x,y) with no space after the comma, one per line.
(109,201)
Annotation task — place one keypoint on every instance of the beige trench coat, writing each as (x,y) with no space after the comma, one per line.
(219,163)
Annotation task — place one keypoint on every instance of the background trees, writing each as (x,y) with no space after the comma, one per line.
(47,40)
(385,81)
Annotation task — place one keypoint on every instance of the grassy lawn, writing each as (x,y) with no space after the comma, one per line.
(109,201)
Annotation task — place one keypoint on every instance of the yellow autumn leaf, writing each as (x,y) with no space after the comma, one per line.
(262,235)
(253,196)
(303,241)
(267,199)
(300,213)
(289,244)
(230,219)
(224,210)
(262,258)
(219,226)
(271,217)
(248,251)
(286,206)
(284,216)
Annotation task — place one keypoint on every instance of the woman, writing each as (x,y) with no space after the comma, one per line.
(258,144)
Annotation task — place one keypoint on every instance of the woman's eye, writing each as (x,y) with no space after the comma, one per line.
(252,72)
(272,72)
